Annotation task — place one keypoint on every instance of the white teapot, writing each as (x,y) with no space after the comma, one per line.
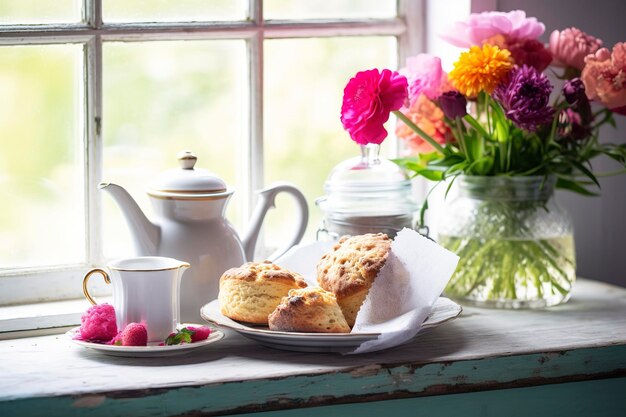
(189,204)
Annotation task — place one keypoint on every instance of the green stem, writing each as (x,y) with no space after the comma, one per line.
(460,137)
(474,123)
(419,131)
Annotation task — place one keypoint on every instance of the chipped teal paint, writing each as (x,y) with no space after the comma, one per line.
(603,398)
(361,384)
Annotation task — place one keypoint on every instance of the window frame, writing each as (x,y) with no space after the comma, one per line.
(61,281)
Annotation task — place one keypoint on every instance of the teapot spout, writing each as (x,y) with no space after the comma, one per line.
(146,234)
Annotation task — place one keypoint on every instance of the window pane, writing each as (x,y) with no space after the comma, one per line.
(39,11)
(161,98)
(42,219)
(324,9)
(173,10)
(304,138)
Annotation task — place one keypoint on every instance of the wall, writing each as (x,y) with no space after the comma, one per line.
(600,222)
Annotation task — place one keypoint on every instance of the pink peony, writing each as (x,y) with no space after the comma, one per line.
(134,334)
(570,47)
(368,99)
(482,26)
(604,76)
(425,76)
(428,117)
(98,324)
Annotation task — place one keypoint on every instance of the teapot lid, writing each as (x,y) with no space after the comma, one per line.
(187,182)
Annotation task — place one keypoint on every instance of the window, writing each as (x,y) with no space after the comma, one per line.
(94,90)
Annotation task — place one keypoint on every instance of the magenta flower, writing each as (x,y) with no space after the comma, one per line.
(569,47)
(482,26)
(425,76)
(525,98)
(604,77)
(368,99)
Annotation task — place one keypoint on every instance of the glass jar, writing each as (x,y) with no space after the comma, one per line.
(366,194)
(515,243)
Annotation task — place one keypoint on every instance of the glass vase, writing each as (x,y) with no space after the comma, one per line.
(515,243)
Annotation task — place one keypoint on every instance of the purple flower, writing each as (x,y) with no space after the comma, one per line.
(453,104)
(574,91)
(525,98)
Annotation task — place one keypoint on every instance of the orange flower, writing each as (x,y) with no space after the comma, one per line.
(428,117)
(480,69)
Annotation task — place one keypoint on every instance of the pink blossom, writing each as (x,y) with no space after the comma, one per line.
(604,76)
(368,99)
(425,114)
(569,47)
(98,324)
(425,76)
(482,26)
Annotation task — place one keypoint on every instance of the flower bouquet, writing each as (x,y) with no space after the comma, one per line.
(496,125)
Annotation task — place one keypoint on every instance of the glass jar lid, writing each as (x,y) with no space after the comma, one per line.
(367,186)
(187,181)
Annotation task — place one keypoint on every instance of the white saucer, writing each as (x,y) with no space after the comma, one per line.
(152,350)
(444,310)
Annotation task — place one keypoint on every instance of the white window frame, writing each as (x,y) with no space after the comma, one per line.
(63,282)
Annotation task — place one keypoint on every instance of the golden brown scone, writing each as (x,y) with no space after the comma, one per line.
(309,310)
(252,291)
(350,268)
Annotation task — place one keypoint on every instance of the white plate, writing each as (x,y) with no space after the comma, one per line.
(443,310)
(152,350)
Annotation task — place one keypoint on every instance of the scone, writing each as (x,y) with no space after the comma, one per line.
(252,291)
(309,310)
(350,268)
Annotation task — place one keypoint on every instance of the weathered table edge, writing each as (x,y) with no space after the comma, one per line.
(350,385)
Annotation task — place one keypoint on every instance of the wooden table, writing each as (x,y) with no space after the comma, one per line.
(569,360)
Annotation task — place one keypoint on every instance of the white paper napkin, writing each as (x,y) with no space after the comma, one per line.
(404,292)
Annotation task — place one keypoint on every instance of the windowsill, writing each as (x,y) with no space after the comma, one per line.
(483,350)
(37,319)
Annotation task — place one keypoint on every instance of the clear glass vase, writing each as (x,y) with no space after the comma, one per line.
(515,243)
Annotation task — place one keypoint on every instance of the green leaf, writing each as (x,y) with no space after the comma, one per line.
(449,187)
(182,336)
(585,171)
(477,126)
(573,186)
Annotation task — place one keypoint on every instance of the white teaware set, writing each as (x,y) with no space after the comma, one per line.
(190,231)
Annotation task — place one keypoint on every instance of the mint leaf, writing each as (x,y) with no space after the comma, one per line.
(182,336)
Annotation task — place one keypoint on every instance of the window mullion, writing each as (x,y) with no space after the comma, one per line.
(411,42)
(93,133)
(92,13)
(253,163)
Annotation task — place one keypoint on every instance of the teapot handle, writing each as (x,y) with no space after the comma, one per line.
(267,197)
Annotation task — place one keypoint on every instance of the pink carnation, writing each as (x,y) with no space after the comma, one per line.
(482,26)
(98,324)
(604,76)
(570,47)
(368,99)
(428,117)
(425,76)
